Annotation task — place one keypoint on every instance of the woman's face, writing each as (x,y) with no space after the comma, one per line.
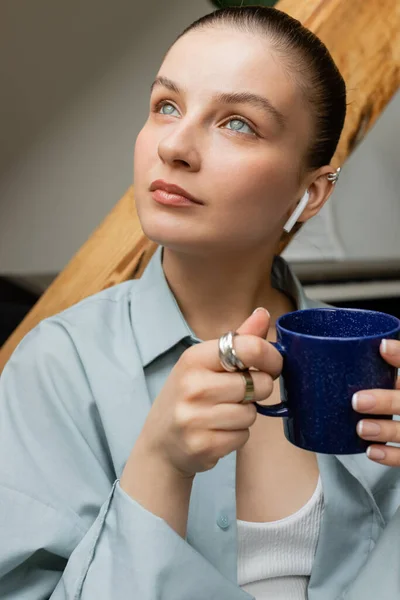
(241,159)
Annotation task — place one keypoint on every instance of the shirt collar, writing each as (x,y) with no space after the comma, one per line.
(157,320)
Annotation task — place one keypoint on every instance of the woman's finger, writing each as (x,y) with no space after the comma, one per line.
(232,417)
(252,350)
(221,388)
(256,324)
(378,402)
(390,351)
(383,430)
(384,455)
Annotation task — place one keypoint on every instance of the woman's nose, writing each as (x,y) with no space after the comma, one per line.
(178,147)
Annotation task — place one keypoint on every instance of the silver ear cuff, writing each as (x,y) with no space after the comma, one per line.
(333,177)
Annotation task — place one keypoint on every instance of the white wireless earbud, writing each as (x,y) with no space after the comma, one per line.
(296,214)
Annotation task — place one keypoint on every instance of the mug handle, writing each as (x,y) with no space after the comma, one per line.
(274,410)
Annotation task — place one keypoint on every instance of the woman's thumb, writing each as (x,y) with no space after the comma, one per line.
(256,324)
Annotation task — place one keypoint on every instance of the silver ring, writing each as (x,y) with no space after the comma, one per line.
(249,395)
(227,355)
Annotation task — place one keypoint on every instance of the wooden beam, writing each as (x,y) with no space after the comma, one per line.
(364,41)
(363,38)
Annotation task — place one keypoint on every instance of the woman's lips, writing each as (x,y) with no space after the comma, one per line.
(163,197)
(172,194)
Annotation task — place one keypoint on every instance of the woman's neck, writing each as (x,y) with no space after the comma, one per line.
(219,293)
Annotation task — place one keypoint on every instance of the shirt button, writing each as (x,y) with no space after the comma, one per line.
(223,522)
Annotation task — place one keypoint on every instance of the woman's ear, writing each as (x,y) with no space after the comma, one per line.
(320,189)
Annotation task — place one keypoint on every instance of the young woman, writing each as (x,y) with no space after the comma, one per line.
(131,463)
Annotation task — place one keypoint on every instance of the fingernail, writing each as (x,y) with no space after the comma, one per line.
(361,401)
(366,428)
(261,308)
(390,346)
(375,453)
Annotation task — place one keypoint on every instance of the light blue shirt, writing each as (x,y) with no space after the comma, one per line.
(73,399)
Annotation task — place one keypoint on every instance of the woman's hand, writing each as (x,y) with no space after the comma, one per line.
(199,417)
(381,402)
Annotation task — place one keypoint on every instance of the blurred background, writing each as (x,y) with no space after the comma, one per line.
(75,88)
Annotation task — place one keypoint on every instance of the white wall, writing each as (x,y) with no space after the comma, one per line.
(368,199)
(63,179)
(77,88)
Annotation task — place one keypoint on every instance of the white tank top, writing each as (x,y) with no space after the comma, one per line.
(275,558)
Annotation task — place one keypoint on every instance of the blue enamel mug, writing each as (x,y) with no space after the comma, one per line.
(329,354)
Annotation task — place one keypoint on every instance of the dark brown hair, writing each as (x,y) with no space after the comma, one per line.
(306,58)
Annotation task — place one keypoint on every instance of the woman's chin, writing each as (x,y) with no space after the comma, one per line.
(176,233)
(178,239)
(171,240)
(166,234)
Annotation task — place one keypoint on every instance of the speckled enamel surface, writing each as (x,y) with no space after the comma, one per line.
(329,354)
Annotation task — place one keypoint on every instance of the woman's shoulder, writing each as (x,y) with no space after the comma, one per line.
(97,324)
(106,302)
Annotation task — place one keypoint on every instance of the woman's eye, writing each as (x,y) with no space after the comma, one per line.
(161,105)
(166,108)
(238,126)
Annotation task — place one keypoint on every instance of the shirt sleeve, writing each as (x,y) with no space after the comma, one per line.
(67,529)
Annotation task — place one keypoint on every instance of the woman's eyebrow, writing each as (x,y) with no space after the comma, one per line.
(230,98)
